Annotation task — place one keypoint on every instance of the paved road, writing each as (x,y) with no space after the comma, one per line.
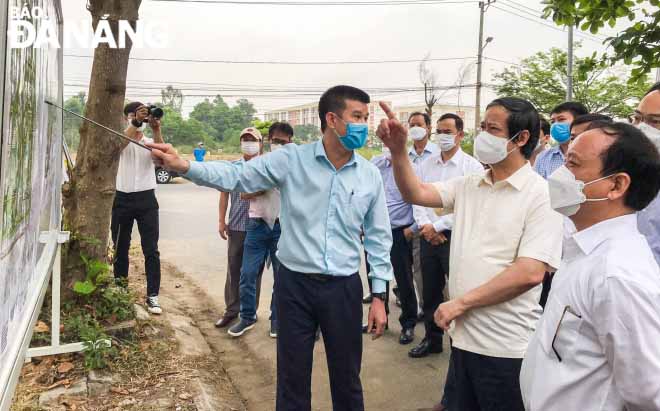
(189,239)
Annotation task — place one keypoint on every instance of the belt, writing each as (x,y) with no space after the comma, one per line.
(322,278)
(261,220)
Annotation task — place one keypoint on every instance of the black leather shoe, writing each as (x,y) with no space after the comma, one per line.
(365,330)
(407,336)
(367,300)
(425,348)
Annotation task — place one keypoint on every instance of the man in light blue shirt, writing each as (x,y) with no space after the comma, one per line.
(561,119)
(328,194)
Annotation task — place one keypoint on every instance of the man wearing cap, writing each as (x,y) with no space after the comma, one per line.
(263,234)
(135,200)
(329,194)
(199,152)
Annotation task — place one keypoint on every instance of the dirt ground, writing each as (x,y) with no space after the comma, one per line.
(150,370)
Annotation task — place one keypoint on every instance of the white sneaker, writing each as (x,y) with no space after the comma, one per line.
(152,305)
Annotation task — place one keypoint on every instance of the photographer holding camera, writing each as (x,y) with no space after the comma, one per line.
(135,200)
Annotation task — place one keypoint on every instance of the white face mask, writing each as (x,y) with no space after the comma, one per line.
(651,132)
(417,133)
(566,193)
(490,149)
(446,142)
(250,148)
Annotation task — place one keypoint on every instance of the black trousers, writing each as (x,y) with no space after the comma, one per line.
(142,207)
(485,383)
(435,266)
(401,258)
(303,304)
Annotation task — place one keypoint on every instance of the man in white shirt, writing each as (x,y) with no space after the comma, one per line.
(135,200)
(505,237)
(262,234)
(449,162)
(596,346)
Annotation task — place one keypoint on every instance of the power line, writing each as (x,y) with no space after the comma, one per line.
(278,62)
(322,3)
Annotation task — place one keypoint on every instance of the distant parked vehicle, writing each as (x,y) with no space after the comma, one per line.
(163,176)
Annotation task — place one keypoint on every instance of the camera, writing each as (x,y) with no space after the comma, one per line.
(155,111)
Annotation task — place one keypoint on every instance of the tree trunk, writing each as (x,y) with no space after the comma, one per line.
(89,194)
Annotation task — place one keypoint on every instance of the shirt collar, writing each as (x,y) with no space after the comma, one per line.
(453,160)
(593,236)
(319,152)
(556,150)
(428,148)
(516,180)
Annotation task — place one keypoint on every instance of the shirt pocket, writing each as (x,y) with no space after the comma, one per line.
(357,207)
(560,330)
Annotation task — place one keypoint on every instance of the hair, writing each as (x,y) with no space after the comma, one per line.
(427,118)
(655,87)
(132,107)
(334,100)
(545,126)
(574,107)
(589,118)
(522,116)
(634,154)
(282,127)
(458,122)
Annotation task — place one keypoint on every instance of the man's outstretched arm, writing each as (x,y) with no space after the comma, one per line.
(261,173)
(394,135)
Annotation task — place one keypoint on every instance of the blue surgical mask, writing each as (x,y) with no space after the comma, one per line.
(355,137)
(561,132)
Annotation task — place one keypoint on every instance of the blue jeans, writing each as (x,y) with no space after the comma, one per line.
(259,241)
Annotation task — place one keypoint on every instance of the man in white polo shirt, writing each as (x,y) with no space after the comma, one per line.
(135,200)
(597,345)
(505,237)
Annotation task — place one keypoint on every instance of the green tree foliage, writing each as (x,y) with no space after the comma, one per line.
(71,122)
(638,44)
(172,98)
(263,127)
(306,132)
(541,79)
(222,119)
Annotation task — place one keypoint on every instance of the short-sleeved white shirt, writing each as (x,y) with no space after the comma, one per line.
(136,169)
(494,224)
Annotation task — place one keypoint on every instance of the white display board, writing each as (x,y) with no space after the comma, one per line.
(30,184)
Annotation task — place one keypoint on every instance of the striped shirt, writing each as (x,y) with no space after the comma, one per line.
(548,161)
(238,211)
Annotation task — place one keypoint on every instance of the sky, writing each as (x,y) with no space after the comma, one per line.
(322,33)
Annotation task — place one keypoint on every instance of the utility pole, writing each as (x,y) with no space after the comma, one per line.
(477,105)
(569,67)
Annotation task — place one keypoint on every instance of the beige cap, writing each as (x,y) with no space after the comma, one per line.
(253,132)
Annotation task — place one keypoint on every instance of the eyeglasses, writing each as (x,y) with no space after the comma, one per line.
(563,314)
(652,120)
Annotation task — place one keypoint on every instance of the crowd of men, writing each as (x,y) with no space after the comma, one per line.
(548,254)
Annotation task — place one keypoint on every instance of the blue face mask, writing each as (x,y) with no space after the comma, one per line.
(561,132)
(355,137)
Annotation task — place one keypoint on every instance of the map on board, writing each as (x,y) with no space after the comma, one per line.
(30,175)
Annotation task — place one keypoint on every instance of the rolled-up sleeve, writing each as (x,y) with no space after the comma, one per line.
(543,233)
(258,174)
(378,240)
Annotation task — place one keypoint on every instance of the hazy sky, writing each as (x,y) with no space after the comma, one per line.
(322,33)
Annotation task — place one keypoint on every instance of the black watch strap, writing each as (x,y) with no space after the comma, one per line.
(380,296)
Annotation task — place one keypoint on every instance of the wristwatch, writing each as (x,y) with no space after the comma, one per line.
(380,296)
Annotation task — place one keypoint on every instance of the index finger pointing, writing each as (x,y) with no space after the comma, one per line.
(388,111)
